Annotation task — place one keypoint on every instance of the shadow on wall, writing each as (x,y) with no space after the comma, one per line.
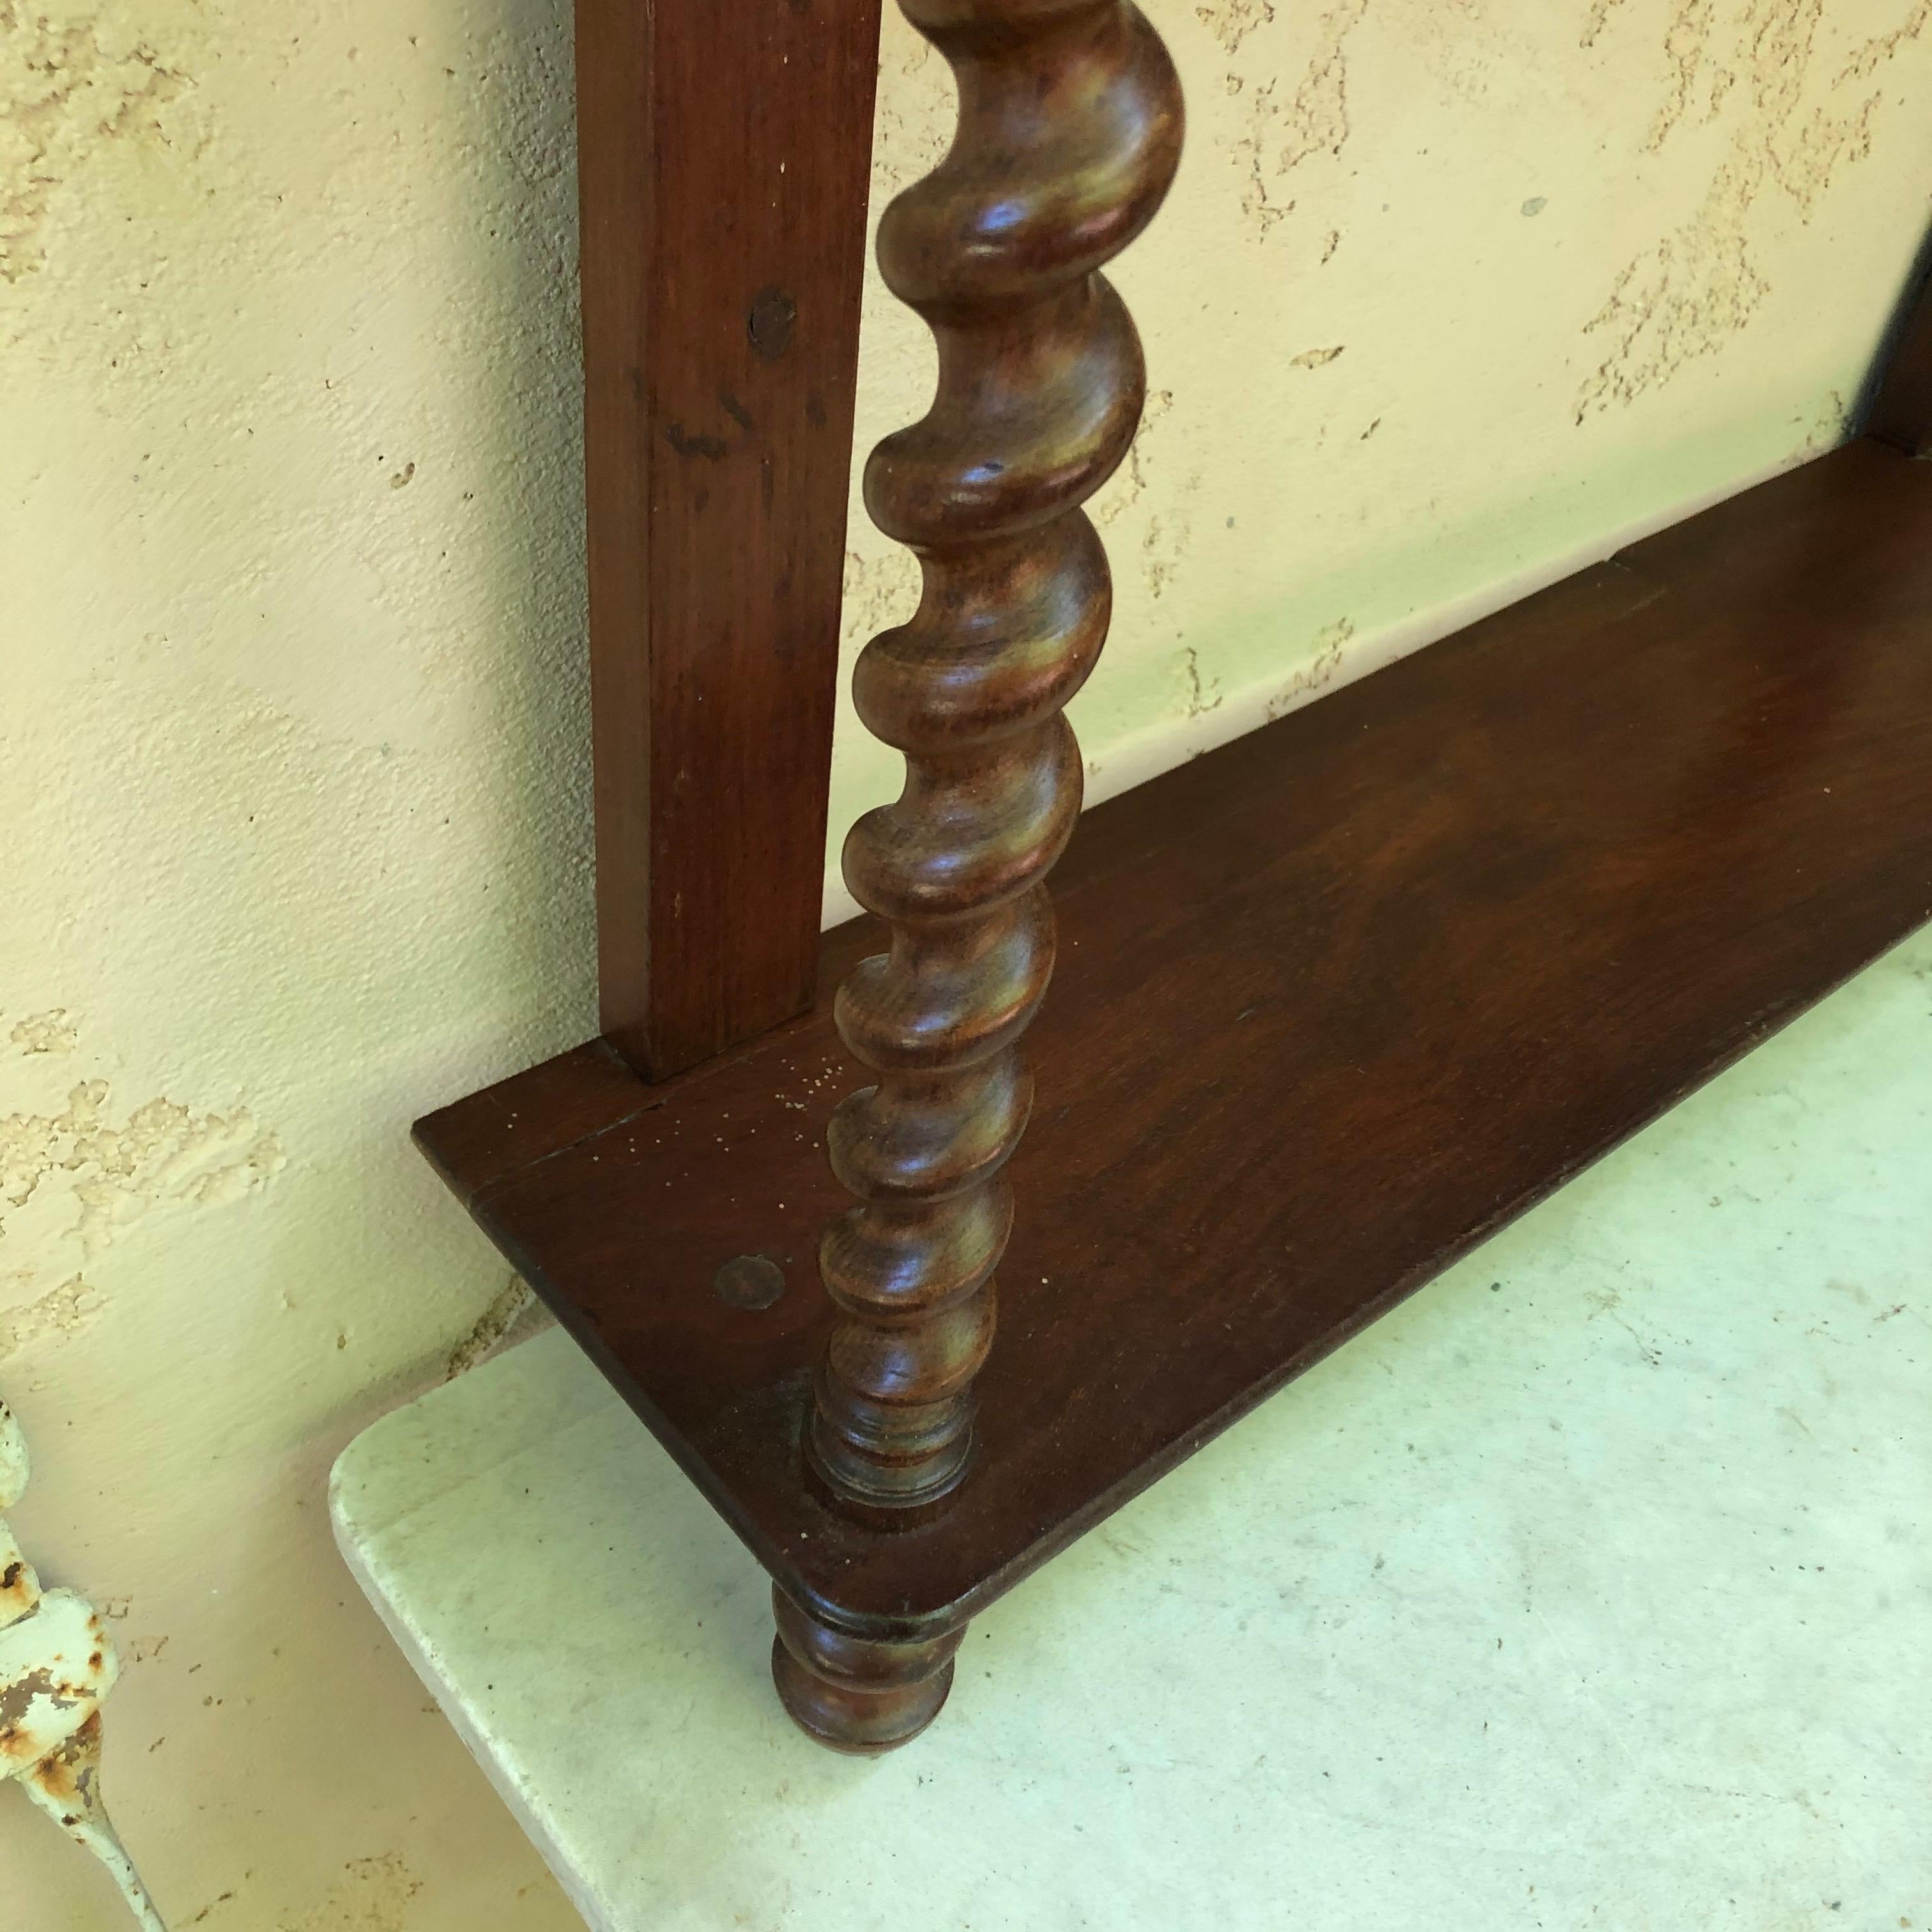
(515,413)
(1910,297)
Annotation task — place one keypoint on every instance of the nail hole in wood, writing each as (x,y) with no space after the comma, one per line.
(773,313)
(749,1281)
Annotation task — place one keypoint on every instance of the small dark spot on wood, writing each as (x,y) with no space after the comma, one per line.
(737,411)
(814,410)
(749,1281)
(773,315)
(708,447)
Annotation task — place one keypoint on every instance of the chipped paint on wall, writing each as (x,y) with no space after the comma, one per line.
(61,1312)
(51,1032)
(109,1168)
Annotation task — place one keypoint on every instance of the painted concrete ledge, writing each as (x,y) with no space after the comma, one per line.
(1588,1589)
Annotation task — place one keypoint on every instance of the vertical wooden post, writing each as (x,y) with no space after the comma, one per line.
(1069,132)
(724,162)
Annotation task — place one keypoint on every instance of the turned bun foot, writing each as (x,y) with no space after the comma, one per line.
(858,1694)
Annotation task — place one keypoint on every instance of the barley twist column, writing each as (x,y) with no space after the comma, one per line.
(1069,131)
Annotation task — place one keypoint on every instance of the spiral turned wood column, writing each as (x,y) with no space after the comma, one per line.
(1069,131)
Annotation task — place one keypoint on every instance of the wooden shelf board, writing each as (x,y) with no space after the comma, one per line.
(1334,1003)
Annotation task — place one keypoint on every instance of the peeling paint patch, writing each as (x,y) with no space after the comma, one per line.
(56,1665)
(60,1313)
(51,1032)
(65,92)
(115,1171)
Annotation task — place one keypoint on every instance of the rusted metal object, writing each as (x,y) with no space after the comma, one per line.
(66,1785)
(57,1662)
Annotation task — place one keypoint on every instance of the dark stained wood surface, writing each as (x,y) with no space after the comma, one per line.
(1901,413)
(723,160)
(1070,125)
(1333,1003)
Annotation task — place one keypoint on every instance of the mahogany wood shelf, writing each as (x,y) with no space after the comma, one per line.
(1333,1003)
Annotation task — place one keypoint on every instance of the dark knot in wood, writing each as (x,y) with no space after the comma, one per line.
(1070,127)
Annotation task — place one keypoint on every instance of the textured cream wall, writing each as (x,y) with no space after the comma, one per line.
(293,775)
(1451,295)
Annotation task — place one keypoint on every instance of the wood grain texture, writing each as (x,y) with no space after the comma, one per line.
(860,1695)
(1069,134)
(1901,412)
(723,164)
(1333,1003)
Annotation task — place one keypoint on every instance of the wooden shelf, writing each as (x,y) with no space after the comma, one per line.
(1333,1003)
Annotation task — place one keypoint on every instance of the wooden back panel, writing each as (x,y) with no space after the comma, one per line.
(724,157)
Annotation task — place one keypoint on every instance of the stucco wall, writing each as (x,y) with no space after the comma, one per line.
(293,750)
